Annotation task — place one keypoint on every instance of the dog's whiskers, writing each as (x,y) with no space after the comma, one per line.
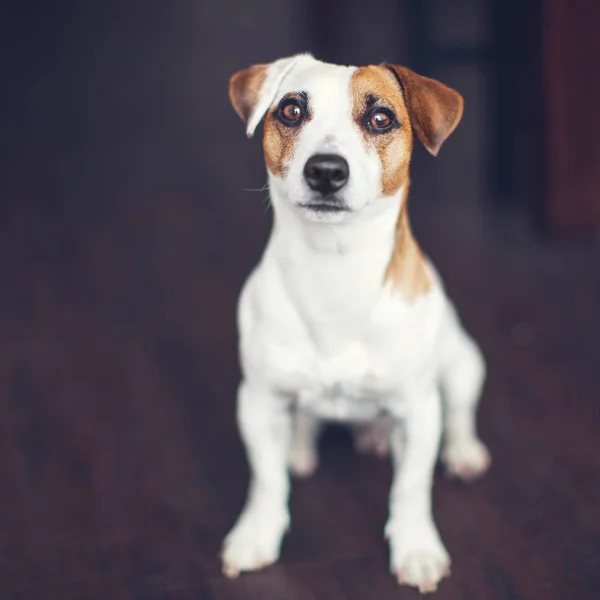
(267,203)
(262,189)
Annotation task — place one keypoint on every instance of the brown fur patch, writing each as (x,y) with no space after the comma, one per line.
(279,141)
(406,271)
(434,109)
(395,147)
(244,89)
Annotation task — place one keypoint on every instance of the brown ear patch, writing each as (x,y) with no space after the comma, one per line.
(279,141)
(374,86)
(244,89)
(406,271)
(434,109)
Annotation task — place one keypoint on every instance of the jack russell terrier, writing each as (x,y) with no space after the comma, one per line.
(344,318)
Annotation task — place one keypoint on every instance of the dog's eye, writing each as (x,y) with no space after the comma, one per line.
(381,120)
(290,113)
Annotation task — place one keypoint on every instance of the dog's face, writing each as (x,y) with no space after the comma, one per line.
(338,140)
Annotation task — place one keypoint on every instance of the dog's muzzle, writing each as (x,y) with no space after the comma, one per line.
(326,173)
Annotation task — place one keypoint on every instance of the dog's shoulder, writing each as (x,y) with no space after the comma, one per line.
(264,304)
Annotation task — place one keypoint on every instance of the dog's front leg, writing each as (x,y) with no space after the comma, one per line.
(265,424)
(417,555)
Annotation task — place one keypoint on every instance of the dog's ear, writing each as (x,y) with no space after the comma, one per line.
(434,109)
(253,90)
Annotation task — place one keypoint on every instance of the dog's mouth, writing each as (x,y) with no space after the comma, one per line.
(325,206)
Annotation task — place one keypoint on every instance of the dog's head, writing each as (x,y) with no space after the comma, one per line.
(339,139)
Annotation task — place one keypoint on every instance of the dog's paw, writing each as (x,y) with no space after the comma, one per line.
(417,556)
(466,459)
(303,461)
(373,438)
(253,543)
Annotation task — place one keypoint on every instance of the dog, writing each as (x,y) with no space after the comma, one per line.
(344,319)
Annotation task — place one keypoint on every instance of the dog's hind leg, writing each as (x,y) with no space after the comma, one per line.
(462,376)
(373,437)
(303,457)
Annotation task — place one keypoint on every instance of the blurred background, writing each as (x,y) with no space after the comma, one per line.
(126,230)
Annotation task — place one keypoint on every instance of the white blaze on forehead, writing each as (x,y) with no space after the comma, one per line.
(327,87)
(331,126)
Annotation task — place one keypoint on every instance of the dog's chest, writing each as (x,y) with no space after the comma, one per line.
(346,386)
(358,377)
(341,347)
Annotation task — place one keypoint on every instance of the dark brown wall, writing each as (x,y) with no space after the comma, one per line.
(572,95)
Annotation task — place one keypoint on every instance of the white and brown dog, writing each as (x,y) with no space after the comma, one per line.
(344,318)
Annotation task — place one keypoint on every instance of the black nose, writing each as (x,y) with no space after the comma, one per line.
(326,173)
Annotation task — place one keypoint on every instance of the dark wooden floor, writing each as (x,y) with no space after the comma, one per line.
(124,239)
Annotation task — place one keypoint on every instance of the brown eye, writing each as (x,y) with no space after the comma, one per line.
(290,113)
(380,120)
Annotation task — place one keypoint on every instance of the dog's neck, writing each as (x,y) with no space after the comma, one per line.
(371,231)
(361,255)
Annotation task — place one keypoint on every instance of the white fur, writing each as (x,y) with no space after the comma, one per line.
(321,337)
